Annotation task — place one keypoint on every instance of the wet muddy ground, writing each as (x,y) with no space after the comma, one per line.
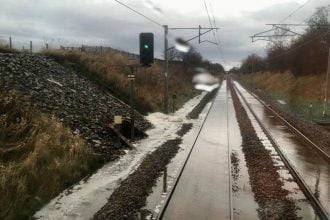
(129,198)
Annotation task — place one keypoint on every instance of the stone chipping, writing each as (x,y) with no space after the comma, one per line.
(77,102)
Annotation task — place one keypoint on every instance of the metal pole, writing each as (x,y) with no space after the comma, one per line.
(31,46)
(252,60)
(10,43)
(165,180)
(132,103)
(199,34)
(325,106)
(166,69)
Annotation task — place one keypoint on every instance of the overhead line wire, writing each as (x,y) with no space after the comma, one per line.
(216,36)
(292,13)
(301,45)
(139,13)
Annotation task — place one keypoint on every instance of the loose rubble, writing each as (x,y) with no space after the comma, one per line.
(265,181)
(234,170)
(58,91)
(129,198)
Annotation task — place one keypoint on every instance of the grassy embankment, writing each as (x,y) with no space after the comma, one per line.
(109,70)
(297,92)
(39,158)
(6,49)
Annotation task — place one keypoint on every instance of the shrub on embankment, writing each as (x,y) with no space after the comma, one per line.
(297,91)
(110,70)
(39,157)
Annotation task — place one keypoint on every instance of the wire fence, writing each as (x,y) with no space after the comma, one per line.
(38,45)
(100,49)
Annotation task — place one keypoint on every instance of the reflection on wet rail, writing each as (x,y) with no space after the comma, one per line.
(313,198)
(198,191)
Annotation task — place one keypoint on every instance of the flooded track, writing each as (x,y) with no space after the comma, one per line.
(311,167)
(203,190)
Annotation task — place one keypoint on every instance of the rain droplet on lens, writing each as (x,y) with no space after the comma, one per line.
(151,5)
(201,70)
(207,88)
(181,45)
(205,81)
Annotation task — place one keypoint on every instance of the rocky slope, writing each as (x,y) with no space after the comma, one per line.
(59,91)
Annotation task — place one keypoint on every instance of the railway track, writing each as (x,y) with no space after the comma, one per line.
(204,126)
(176,192)
(318,207)
(293,129)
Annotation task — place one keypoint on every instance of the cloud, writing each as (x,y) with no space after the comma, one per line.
(104,22)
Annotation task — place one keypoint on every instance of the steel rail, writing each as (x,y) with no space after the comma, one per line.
(320,210)
(231,216)
(292,128)
(162,211)
(168,199)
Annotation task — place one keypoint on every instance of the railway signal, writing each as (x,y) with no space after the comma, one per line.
(146,49)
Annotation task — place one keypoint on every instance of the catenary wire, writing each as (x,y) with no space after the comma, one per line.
(139,13)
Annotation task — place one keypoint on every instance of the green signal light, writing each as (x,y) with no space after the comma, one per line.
(146,46)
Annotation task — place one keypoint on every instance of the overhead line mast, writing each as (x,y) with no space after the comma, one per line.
(166,49)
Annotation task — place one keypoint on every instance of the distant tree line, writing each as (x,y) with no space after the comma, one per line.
(194,59)
(306,54)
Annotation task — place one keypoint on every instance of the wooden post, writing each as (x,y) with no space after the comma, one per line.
(173,102)
(325,104)
(132,108)
(131,78)
(310,112)
(30,46)
(117,125)
(10,43)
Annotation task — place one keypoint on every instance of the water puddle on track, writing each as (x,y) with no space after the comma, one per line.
(157,198)
(310,165)
(243,199)
(245,207)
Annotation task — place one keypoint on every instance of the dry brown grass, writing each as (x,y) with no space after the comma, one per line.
(39,157)
(110,70)
(5,49)
(308,88)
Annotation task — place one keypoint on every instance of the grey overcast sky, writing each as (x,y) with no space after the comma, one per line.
(107,23)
